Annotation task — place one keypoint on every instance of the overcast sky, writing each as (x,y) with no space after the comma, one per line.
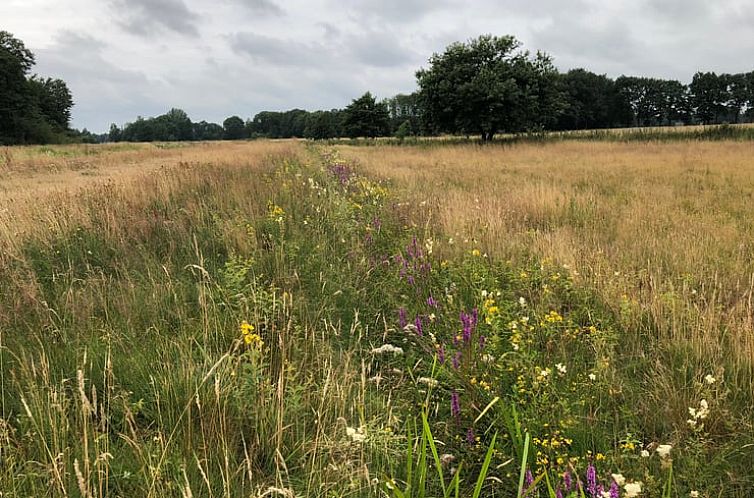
(216,58)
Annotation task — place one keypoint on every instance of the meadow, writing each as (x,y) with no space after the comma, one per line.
(282,318)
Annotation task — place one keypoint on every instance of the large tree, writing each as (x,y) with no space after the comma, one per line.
(365,117)
(488,85)
(235,128)
(709,96)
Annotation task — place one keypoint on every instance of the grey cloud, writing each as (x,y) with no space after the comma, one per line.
(102,91)
(262,7)
(278,52)
(380,49)
(147,17)
(399,11)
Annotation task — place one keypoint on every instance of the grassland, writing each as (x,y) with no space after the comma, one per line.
(280,319)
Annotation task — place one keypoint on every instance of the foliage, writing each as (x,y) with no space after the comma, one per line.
(32,109)
(365,117)
(487,86)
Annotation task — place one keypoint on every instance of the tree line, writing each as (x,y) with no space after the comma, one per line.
(482,87)
(33,109)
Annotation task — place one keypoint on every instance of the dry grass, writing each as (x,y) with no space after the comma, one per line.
(659,230)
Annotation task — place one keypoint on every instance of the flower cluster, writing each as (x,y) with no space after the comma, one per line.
(248,335)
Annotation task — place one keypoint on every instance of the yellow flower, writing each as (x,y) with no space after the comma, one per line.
(476,253)
(249,336)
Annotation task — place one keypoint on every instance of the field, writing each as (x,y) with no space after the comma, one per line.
(282,318)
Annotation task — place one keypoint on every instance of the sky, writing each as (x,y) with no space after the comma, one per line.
(217,58)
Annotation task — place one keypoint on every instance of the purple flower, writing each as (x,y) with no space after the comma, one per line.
(600,490)
(431,302)
(470,436)
(377,223)
(614,490)
(402,319)
(591,480)
(529,482)
(558,493)
(455,405)
(418,325)
(410,280)
(441,354)
(567,480)
(482,341)
(457,360)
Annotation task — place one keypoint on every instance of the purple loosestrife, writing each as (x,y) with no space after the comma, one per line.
(419,326)
(567,481)
(455,405)
(431,302)
(529,490)
(614,490)
(558,493)
(441,354)
(482,341)
(591,480)
(402,319)
(470,438)
(457,360)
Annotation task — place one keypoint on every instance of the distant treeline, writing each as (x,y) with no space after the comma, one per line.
(585,101)
(485,86)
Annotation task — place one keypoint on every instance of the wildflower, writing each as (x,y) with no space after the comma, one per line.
(644,454)
(470,436)
(249,336)
(388,348)
(567,481)
(694,494)
(446,459)
(441,354)
(476,253)
(429,381)
(402,320)
(356,435)
(664,450)
(522,302)
(592,377)
(709,379)
(418,325)
(455,405)
(632,489)
(457,360)
(591,480)
(561,368)
(614,490)
(431,302)
(619,479)
(558,493)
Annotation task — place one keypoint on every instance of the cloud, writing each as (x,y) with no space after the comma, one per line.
(148,17)
(279,52)
(102,91)
(399,11)
(261,7)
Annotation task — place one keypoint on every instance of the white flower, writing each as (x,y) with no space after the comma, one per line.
(644,454)
(632,489)
(619,479)
(356,435)
(694,494)
(427,381)
(605,494)
(446,459)
(484,293)
(388,348)
(545,373)
(561,368)
(522,302)
(709,379)
(592,377)
(664,450)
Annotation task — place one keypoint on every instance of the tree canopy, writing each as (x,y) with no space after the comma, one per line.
(32,109)
(486,86)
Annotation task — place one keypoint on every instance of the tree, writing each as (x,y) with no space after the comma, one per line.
(486,86)
(365,117)
(588,99)
(31,109)
(234,128)
(321,125)
(709,95)
(115,134)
